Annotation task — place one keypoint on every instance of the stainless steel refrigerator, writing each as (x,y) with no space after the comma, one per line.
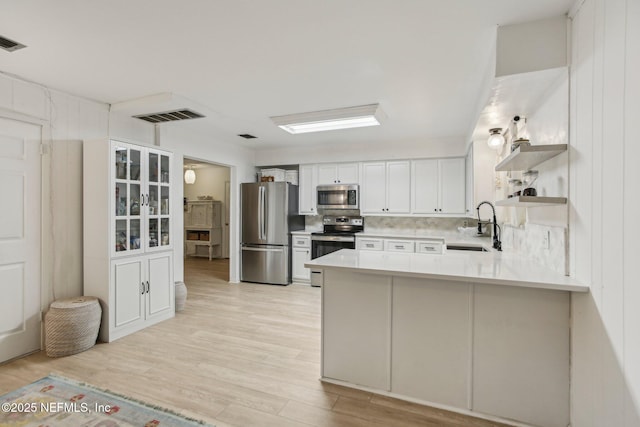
(269,215)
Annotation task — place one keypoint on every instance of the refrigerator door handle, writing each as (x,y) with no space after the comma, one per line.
(250,248)
(264,213)
(260,211)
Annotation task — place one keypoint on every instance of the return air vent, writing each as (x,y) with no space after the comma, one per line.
(9,45)
(169,116)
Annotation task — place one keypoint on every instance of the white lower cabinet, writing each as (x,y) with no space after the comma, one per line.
(369,244)
(423,246)
(300,253)
(141,293)
(356,343)
(399,245)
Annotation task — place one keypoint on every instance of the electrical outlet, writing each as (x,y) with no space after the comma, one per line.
(465,223)
(546,240)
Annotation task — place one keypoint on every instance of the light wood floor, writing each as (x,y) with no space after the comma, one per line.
(238,355)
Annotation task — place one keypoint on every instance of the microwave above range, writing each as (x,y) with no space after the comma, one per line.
(338,196)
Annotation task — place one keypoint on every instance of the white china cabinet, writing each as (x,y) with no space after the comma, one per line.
(128,245)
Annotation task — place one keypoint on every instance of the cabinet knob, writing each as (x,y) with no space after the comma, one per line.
(440,210)
(435,210)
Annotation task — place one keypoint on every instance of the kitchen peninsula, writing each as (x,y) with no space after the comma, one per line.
(485,333)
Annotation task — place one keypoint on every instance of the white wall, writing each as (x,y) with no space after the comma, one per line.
(604,175)
(210,181)
(335,152)
(186,143)
(67,120)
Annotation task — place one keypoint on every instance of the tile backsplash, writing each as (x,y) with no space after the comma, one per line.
(545,245)
(390,224)
(382,224)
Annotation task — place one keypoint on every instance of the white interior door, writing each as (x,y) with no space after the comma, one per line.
(225,223)
(20,238)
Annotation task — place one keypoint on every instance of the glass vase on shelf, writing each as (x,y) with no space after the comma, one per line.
(529,179)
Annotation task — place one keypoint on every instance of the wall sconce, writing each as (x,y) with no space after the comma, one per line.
(190,176)
(496,139)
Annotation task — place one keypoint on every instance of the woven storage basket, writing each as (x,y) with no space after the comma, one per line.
(72,325)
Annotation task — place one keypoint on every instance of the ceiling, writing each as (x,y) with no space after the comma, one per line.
(241,61)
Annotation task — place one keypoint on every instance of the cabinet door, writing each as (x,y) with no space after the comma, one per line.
(127,187)
(307,177)
(373,189)
(200,215)
(160,291)
(327,174)
(425,186)
(129,288)
(348,173)
(398,187)
(299,271)
(469,183)
(452,182)
(357,340)
(158,200)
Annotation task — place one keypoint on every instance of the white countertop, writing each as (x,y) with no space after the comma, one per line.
(305,232)
(496,268)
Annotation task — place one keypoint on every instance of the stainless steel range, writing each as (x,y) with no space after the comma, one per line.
(339,232)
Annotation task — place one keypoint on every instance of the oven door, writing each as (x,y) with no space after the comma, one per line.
(323,245)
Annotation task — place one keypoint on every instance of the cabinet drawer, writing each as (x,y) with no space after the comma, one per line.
(301,241)
(429,247)
(399,246)
(369,244)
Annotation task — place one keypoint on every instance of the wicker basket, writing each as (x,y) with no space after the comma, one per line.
(72,325)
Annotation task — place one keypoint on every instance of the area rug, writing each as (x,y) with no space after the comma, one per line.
(57,401)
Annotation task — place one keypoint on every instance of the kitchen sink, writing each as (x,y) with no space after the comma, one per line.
(466,248)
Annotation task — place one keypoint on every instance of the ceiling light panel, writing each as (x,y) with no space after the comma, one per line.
(342,118)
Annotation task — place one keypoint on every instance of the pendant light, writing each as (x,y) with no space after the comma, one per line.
(190,175)
(496,139)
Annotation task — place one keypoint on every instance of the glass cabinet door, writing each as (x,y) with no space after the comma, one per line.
(158,216)
(128,199)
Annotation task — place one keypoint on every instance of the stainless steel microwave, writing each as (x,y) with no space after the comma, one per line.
(338,196)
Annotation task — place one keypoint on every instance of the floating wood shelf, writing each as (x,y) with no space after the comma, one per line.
(532,201)
(526,157)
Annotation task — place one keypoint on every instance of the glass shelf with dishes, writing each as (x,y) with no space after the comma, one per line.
(142,190)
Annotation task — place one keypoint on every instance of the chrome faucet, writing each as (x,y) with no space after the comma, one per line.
(497,244)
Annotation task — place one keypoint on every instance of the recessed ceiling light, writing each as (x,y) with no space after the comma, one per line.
(341,118)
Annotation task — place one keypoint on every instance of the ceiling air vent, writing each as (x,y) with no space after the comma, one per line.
(169,116)
(247,136)
(9,45)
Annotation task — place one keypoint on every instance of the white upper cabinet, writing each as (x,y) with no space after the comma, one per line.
(438,186)
(425,186)
(386,187)
(452,185)
(469,198)
(338,173)
(307,182)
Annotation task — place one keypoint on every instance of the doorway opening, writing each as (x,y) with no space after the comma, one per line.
(206,219)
